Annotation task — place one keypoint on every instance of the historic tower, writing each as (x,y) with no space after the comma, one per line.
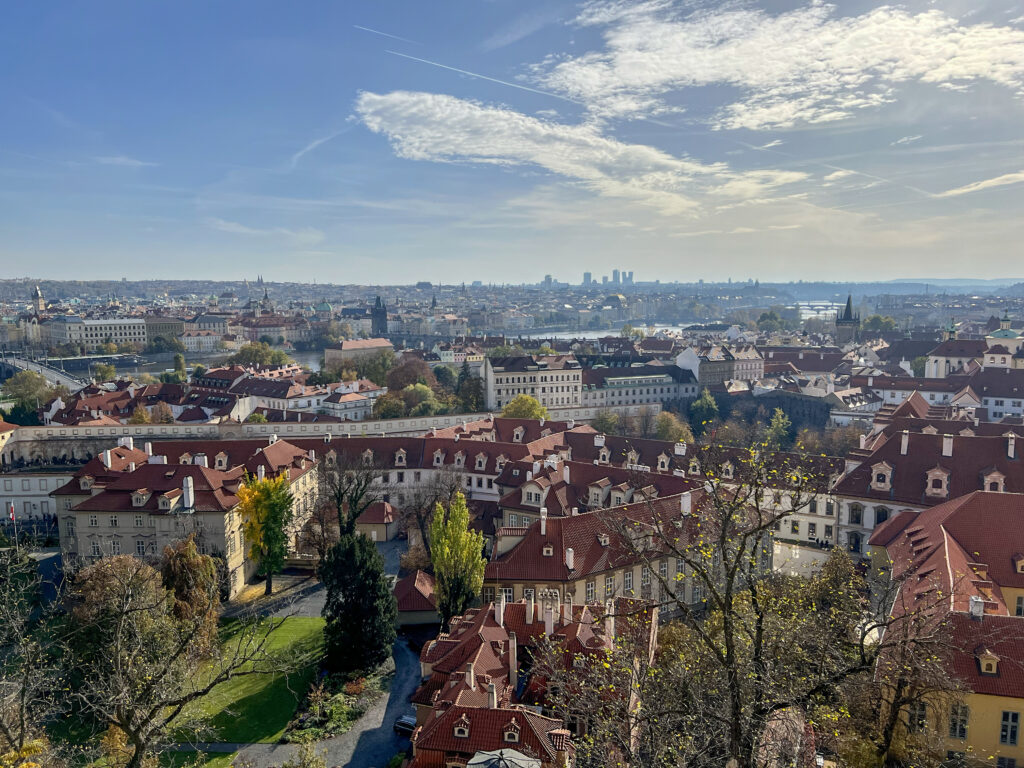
(847,324)
(379,319)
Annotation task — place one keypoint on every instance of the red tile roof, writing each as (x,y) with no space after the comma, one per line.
(415,592)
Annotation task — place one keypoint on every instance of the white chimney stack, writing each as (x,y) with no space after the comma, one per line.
(312,457)
(1011,446)
(106,458)
(470,676)
(599,440)
(148,447)
(499,610)
(128,442)
(904,442)
(131,466)
(157,460)
(570,558)
(947,445)
(188,494)
(609,623)
(492,696)
(565,472)
(543,521)
(530,609)
(200,460)
(549,620)
(273,439)
(686,502)
(261,473)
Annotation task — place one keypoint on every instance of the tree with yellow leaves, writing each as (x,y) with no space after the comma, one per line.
(265,507)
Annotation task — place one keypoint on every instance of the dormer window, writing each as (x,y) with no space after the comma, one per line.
(881,477)
(603,455)
(995,482)
(500,463)
(86,482)
(1018,562)
(603,539)
(548,550)
(632,458)
(727,470)
(220,461)
(140,497)
(517,434)
(988,662)
(400,458)
(481,461)
(367,457)
(694,467)
(938,482)
(438,458)
(185,458)
(165,503)
(511,733)
(662,463)
(460,459)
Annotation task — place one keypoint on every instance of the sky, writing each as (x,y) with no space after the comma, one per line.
(502,140)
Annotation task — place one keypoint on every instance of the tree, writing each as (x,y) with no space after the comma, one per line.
(179,367)
(880,323)
(104,372)
(321,531)
(192,581)
(198,370)
(348,483)
(411,371)
(471,394)
(161,413)
(668,426)
(918,365)
(259,353)
(164,344)
(139,416)
(643,423)
(360,608)
(607,422)
(703,412)
(389,406)
(265,507)
(22,415)
(770,322)
(137,661)
(456,552)
(779,433)
(446,377)
(376,367)
(524,407)
(27,389)
(256,418)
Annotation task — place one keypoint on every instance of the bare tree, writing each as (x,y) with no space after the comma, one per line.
(349,483)
(320,532)
(418,505)
(141,664)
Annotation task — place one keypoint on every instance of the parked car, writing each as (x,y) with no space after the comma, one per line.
(405,725)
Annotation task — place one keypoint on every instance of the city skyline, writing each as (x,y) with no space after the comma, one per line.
(442,142)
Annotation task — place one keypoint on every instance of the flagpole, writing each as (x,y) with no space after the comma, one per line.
(14,521)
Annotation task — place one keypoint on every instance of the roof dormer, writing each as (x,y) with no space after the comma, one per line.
(1018,562)
(938,482)
(548,550)
(694,468)
(632,458)
(881,477)
(480,463)
(438,457)
(460,459)
(185,458)
(995,481)
(140,497)
(663,461)
(510,734)
(603,455)
(461,729)
(517,434)
(988,662)
(400,457)
(728,471)
(220,461)
(85,482)
(368,457)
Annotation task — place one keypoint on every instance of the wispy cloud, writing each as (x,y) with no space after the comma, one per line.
(124,161)
(833,66)
(905,140)
(520,28)
(306,236)
(977,186)
(293,164)
(386,34)
(440,128)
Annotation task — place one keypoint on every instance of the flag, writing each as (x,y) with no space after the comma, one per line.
(12,511)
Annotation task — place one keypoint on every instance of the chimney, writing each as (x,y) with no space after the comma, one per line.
(529,474)
(565,472)
(543,521)
(470,676)
(273,439)
(598,440)
(513,660)
(549,620)
(947,445)
(188,494)
(312,457)
(570,424)
(1011,446)
(131,466)
(686,502)
(575,511)
(148,447)
(261,473)
(570,558)
(871,381)
(492,696)
(200,460)
(863,441)
(976,608)
(157,459)
(128,442)
(531,613)
(904,442)
(106,458)
(499,610)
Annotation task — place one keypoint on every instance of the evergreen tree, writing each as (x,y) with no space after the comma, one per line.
(703,411)
(265,507)
(779,431)
(457,555)
(360,608)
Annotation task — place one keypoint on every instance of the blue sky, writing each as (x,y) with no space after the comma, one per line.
(499,140)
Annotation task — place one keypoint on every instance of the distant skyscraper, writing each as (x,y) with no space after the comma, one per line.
(604,279)
(586,278)
(615,276)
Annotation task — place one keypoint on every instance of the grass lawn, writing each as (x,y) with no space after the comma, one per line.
(257,708)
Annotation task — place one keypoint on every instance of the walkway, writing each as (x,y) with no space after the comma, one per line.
(53,375)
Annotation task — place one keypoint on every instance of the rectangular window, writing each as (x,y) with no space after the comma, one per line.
(93,521)
(506,594)
(8,485)
(113,521)
(828,531)
(795,527)
(627,581)
(70,528)
(958,714)
(1020,606)
(609,586)
(152,547)
(645,576)
(813,507)
(26,485)
(95,549)
(812,530)
(591,592)
(917,716)
(400,477)
(140,548)
(139,521)
(115,547)
(488,594)
(1009,727)
(1006,762)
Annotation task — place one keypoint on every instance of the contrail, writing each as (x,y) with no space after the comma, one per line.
(316,143)
(484,77)
(385,34)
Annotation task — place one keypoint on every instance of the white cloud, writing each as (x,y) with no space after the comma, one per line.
(837,175)
(306,236)
(123,161)
(803,66)
(977,186)
(440,128)
(905,140)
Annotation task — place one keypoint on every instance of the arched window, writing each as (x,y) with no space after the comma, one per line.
(881,515)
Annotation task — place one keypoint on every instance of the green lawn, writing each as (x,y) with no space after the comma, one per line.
(257,708)
(196,760)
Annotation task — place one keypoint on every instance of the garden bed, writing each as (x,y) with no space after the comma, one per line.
(335,703)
